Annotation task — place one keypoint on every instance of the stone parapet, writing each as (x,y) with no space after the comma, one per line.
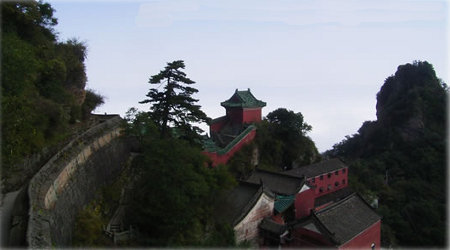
(69,180)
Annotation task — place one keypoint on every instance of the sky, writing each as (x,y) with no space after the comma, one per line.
(324,58)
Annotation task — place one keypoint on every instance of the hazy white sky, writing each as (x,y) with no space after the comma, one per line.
(324,58)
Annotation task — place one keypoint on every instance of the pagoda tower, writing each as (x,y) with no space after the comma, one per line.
(230,132)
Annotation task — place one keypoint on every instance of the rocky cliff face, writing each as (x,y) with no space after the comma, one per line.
(411,106)
(406,99)
(401,157)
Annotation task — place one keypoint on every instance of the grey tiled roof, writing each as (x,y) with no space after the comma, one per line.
(240,201)
(317,168)
(269,225)
(334,196)
(347,218)
(279,183)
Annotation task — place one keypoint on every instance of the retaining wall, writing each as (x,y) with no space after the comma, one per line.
(69,181)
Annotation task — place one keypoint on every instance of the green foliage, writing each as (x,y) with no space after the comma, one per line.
(141,126)
(282,140)
(174,105)
(241,163)
(287,122)
(221,236)
(89,227)
(280,143)
(91,101)
(175,201)
(73,53)
(401,157)
(42,81)
(31,20)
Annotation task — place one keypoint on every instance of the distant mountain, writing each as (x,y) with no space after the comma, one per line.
(401,157)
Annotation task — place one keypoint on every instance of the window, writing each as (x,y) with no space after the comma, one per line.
(337,172)
(329,175)
(343,181)
(343,171)
(336,183)
(321,189)
(321,177)
(329,187)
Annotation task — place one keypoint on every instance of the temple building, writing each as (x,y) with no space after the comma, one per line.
(306,207)
(230,132)
(244,208)
(302,216)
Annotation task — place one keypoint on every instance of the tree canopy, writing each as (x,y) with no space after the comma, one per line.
(281,143)
(174,105)
(174,199)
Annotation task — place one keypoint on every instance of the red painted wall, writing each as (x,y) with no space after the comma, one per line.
(304,202)
(235,115)
(223,159)
(318,183)
(365,239)
(217,126)
(241,116)
(251,115)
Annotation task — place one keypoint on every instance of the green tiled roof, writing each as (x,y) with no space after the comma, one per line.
(283,202)
(210,146)
(243,99)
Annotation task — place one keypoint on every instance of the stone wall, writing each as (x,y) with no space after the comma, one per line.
(69,181)
(247,228)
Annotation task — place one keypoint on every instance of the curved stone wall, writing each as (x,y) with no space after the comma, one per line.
(69,181)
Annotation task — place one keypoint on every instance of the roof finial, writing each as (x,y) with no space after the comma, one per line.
(248,89)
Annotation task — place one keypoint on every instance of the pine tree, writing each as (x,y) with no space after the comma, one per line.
(174,104)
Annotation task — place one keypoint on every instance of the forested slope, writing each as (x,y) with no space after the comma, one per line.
(43,82)
(401,157)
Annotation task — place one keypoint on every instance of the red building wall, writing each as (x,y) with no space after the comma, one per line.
(328,183)
(304,202)
(223,159)
(241,116)
(235,115)
(365,239)
(217,126)
(251,115)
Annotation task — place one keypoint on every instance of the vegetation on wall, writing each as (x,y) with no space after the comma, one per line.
(43,81)
(401,157)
